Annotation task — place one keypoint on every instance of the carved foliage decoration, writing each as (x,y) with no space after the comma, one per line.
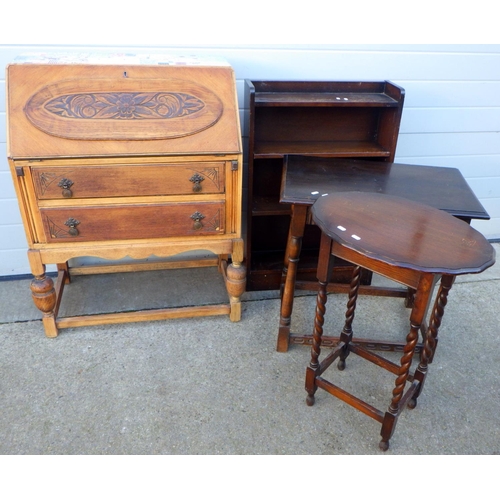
(44,180)
(125,105)
(123,109)
(214,223)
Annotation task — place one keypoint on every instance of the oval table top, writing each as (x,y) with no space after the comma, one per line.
(403,233)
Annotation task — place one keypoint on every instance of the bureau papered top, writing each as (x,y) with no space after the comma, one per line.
(118,58)
(88,105)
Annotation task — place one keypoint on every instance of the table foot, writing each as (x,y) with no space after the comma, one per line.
(283,337)
(412,403)
(384,445)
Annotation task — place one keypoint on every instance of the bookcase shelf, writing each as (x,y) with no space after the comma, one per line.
(346,99)
(360,149)
(323,119)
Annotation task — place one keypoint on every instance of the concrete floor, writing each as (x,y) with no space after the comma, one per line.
(205,386)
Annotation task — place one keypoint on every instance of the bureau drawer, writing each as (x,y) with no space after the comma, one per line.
(139,180)
(120,222)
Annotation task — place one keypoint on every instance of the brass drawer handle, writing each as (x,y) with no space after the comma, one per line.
(65,185)
(72,223)
(197,179)
(197,217)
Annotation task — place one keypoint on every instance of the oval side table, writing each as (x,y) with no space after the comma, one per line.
(409,243)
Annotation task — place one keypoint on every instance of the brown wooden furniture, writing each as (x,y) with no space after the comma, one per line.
(126,159)
(407,242)
(322,119)
(306,179)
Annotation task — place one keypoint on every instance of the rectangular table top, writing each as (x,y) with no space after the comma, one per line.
(306,178)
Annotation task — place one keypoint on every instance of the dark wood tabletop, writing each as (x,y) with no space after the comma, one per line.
(305,179)
(403,233)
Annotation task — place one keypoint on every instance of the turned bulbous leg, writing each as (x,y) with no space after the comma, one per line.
(44,295)
(44,298)
(236,279)
(235,284)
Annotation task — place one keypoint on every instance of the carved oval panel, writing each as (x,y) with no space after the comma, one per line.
(123,110)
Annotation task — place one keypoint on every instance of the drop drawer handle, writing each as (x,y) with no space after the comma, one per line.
(65,185)
(197,179)
(197,218)
(72,223)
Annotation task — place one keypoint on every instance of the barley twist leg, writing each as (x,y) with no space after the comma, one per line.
(431,340)
(319,320)
(397,393)
(346,335)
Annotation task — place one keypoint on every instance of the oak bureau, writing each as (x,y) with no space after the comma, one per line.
(126,157)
